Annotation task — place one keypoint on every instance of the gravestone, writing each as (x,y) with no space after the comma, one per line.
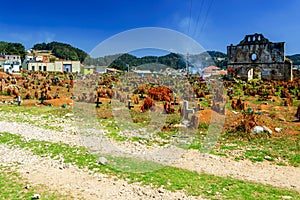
(129,106)
(186,111)
(98,102)
(198,107)
(175,102)
(142,96)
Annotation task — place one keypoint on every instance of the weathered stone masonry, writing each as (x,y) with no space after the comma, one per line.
(257,57)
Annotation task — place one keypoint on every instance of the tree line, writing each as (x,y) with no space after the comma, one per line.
(10,48)
(62,50)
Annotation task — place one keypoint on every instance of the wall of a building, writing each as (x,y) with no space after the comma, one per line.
(50,67)
(11,68)
(57,66)
(76,66)
(88,71)
(13,58)
(256,52)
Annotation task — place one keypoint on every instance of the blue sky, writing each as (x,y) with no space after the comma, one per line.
(212,23)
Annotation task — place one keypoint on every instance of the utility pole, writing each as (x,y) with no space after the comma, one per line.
(187,65)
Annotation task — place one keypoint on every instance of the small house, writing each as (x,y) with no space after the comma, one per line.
(88,70)
(11,67)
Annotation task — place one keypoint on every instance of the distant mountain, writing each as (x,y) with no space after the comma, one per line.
(101,61)
(62,50)
(121,61)
(295,58)
(209,58)
(173,60)
(220,59)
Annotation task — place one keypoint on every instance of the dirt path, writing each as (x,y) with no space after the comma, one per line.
(281,176)
(262,172)
(68,179)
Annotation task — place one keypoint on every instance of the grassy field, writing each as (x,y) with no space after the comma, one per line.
(280,150)
(13,187)
(209,186)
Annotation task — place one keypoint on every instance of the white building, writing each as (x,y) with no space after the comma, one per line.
(11,67)
(56,66)
(28,58)
(2,61)
(13,59)
(39,58)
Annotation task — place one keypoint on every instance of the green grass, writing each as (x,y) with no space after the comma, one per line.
(113,134)
(43,117)
(34,110)
(279,148)
(203,126)
(173,179)
(12,187)
(257,155)
(226,147)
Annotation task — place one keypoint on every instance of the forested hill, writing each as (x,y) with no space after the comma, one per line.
(62,50)
(118,61)
(68,52)
(295,58)
(170,60)
(209,58)
(10,48)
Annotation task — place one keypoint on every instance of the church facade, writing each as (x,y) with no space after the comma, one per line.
(256,57)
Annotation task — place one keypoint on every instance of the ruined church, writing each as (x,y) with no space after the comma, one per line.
(256,57)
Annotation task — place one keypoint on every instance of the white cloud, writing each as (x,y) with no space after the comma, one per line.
(30,38)
(22,37)
(45,36)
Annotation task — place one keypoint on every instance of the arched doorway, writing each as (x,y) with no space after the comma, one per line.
(254,73)
(250,74)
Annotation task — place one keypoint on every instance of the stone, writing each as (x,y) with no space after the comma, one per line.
(235,112)
(281,119)
(179,126)
(160,190)
(267,130)
(36,196)
(268,158)
(69,115)
(286,197)
(102,161)
(214,157)
(278,130)
(258,129)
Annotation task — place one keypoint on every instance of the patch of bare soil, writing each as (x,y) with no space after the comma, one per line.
(69,179)
(280,176)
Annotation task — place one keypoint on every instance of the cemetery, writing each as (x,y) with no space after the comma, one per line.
(256,121)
